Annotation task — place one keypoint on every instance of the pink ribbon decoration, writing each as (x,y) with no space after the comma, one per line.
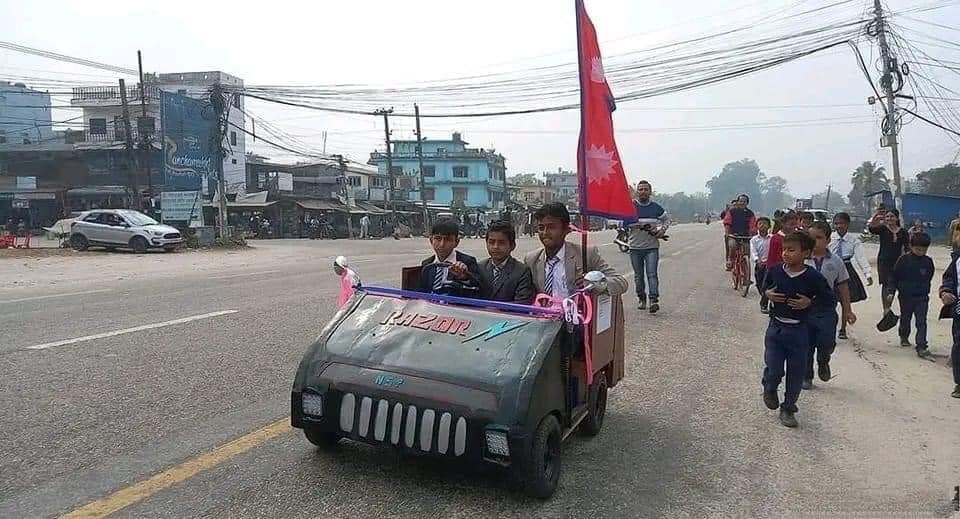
(571,308)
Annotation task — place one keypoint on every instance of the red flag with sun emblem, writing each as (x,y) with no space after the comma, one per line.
(602,181)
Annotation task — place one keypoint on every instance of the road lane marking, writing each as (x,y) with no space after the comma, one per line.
(131,330)
(228,276)
(139,491)
(52,296)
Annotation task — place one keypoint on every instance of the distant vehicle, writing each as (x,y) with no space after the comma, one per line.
(613,224)
(122,228)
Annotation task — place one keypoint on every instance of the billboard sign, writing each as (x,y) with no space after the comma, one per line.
(181,206)
(187,125)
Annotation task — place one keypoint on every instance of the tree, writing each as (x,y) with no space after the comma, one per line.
(775,194)
(681,206)
(837,201)
(743,176)
(866,179)
(944,180)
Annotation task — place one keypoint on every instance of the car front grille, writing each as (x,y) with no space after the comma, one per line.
(379,420)
(171,235)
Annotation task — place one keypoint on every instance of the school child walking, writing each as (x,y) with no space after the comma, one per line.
(792,288)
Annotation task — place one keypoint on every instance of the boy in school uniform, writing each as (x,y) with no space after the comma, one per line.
(911,276)
(793,288)
(448,263)
(759,251)
(949,293)
(558,267)
(823,314)
(505,278)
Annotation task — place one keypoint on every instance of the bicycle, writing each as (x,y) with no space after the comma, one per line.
(740,271)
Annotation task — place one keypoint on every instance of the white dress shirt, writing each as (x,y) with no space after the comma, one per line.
(759,248)
(559,282)
(850,248)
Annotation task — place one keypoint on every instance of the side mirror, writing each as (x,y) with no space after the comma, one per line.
(596,281)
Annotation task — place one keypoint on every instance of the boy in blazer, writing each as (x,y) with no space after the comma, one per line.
(505,278)
(558,267)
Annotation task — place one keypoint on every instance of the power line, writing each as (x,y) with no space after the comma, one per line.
(63,57)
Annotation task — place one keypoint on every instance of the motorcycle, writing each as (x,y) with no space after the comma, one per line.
(651,226)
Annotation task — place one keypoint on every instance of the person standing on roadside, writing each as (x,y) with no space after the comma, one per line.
(850,250)
(894,242)
(644,241)
(954,234)
(949,293)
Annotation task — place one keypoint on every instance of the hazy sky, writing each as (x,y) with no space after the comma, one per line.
(665,139)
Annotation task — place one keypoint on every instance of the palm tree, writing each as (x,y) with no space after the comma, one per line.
(867,178)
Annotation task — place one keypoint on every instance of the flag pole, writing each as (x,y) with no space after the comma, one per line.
(581,150)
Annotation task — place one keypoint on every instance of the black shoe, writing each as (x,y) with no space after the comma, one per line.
(764,310)
(788,418)
(956,392)
(905,342)
(823,371)
(772,400)
(842,334)
(654,305)
(923,353)
(642,304)
(808,383)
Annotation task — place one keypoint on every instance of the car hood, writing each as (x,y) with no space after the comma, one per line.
(160,228)
(444,342)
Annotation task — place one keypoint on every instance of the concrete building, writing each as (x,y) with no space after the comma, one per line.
(103,115)
(25,116)
(565,182)
(534,195)
(451,171)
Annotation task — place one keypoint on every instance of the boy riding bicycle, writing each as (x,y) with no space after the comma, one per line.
(739,224)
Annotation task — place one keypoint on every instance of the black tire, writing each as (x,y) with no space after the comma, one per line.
(597,399)
(322,439)
(79,242)
(139,244)
(540,467)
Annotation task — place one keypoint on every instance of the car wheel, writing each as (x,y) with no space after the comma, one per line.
(540,468)
(597,400)
(322,439)
(79,242)
(139,244)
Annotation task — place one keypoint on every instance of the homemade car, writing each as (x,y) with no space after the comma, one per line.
(482,381)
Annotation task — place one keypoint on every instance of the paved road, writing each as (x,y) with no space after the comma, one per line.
(167,394)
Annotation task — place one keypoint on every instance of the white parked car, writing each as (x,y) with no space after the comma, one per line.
(122,228)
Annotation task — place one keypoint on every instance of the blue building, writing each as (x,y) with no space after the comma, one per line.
(25,116)
(936,211)
(451,172)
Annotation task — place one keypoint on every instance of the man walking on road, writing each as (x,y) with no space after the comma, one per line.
(364,227)
(644,242)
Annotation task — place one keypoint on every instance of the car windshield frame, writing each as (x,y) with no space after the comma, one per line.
(138,219)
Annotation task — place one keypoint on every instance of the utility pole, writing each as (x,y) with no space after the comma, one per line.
(145,139)
(128,142)
(889,137)
(423,182)
(386,134)
(216,141)
(826,203)
(345,188)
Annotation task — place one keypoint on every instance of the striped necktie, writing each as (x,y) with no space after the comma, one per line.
(840,248)
(551,284)
(497,272)
(437,277)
